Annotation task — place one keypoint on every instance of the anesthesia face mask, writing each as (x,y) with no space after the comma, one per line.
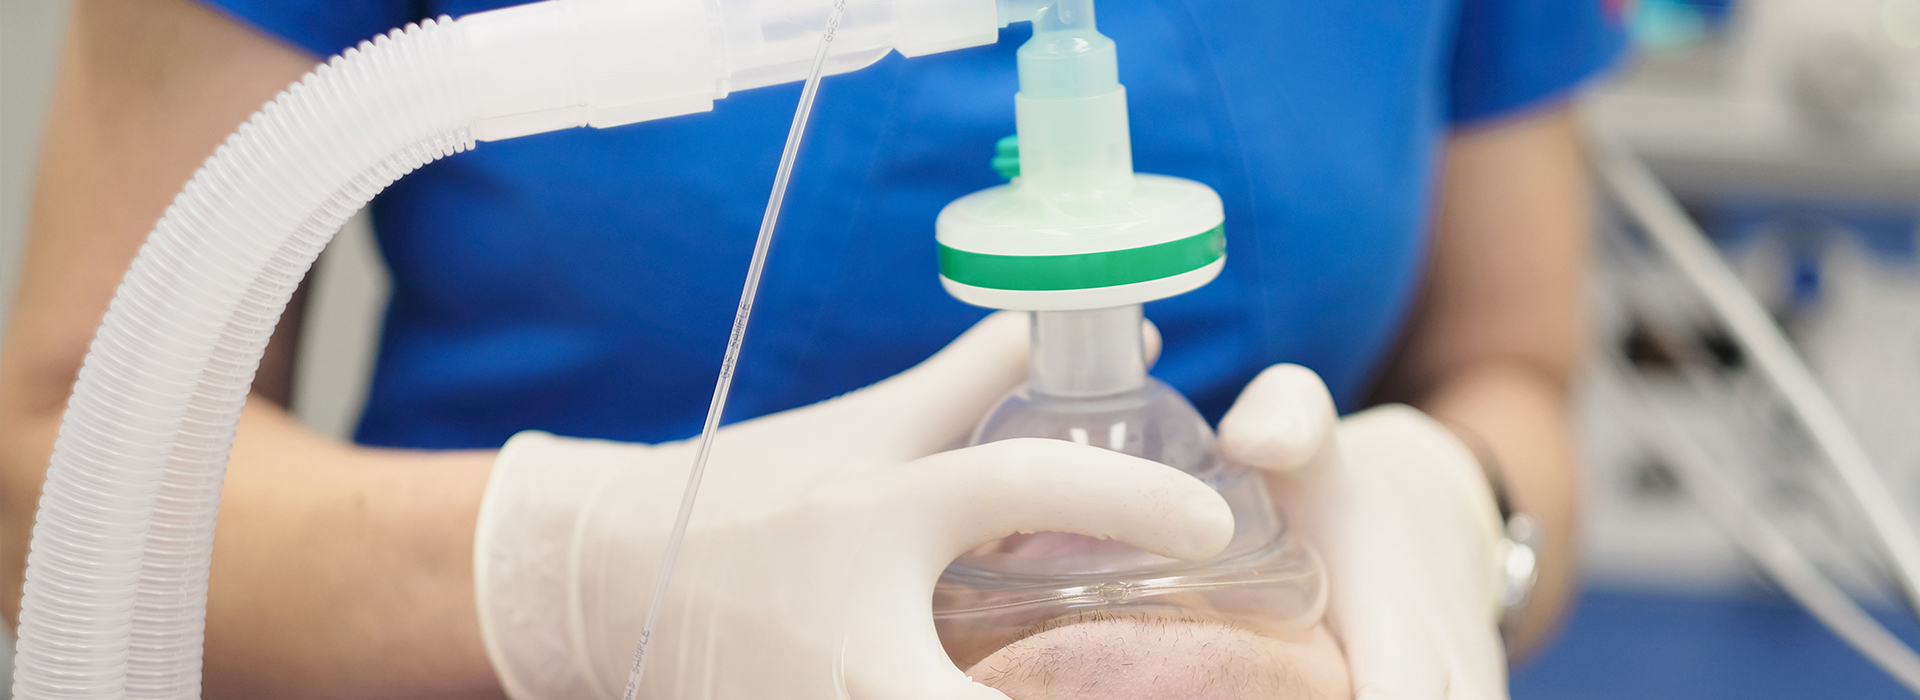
(1081,240)
(1089,385)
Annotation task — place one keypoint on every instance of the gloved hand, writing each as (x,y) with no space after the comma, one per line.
(808,567)
(1406,523)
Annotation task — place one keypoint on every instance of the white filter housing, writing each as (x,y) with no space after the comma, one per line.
(1077,229)
(1153,238)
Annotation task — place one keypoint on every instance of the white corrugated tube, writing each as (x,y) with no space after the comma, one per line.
(116,589)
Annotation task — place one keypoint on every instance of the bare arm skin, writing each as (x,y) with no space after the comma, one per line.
(1498,336)
(338,571)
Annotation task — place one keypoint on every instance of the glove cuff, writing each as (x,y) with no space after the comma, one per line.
(522,573)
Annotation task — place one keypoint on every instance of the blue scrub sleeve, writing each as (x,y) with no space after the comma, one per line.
(1510,55)
(321,27)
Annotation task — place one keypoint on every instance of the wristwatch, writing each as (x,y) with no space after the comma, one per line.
(1520,564)
(1522,538)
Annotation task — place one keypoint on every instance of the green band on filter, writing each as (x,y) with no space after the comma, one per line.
(1034,273)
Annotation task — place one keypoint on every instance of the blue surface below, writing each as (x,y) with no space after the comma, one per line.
(1751,645)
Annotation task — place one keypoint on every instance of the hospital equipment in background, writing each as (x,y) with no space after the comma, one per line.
(1790,131)
(1808,100)
(1757,340)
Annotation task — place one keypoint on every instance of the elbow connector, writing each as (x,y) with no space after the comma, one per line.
(635,60)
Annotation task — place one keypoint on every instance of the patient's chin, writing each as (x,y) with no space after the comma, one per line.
(1146,658)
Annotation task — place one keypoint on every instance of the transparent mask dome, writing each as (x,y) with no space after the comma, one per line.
(1089,385)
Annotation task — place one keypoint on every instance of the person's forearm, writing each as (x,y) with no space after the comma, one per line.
(1500,328)
(341,571)
(1521,417)
(338,571)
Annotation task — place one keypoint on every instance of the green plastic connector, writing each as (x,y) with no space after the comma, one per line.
(1006,156)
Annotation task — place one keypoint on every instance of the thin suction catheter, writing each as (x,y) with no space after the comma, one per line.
(722,386)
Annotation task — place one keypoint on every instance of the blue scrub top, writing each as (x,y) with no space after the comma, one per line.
(583,282)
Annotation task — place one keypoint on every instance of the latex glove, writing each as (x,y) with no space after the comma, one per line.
(809,565)
(1406,523)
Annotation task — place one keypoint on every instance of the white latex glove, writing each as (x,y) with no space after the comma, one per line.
(1407,524)
(808,567)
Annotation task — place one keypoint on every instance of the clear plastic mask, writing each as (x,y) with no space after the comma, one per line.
(1089,385)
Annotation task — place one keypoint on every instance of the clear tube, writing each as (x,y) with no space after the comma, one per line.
(1069,359)
(722,386)
(1089,385)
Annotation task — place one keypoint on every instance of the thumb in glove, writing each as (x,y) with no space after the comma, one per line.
(1406,524)
(828,594)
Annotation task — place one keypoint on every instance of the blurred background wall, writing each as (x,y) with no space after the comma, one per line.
(29,49)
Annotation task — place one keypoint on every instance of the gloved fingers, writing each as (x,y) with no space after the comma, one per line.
(979,494)
(1393,667)
(920,517)
(907,671)
(963,689)
(1281,422)
(929,407)
(934,405)
(1150,341)
(925,409)
(1463,685)
(1386,626)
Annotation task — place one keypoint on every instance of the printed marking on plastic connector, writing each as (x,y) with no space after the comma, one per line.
(833,23)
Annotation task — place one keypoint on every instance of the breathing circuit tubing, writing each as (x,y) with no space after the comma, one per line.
(114,604)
